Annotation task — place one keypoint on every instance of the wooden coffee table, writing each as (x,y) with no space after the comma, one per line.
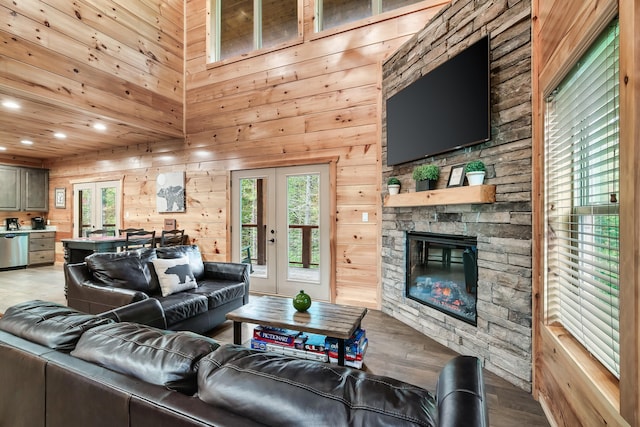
(332,320)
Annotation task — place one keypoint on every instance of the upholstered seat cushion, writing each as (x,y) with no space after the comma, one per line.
(49,324)
(182,306)
(153,355)
(218,292)
(292,392)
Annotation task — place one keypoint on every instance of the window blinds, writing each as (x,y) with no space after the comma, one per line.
(581,191)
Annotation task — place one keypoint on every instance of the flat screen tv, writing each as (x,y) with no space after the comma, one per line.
(446,109)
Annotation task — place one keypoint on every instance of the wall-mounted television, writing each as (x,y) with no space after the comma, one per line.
(446,109)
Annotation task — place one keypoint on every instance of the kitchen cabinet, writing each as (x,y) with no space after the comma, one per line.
(10,189)
(42,247)
(24,189)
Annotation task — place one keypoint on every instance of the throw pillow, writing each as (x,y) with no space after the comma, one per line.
(174,275)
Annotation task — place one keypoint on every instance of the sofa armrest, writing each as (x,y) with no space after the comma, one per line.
(461,395)
(85,294)
(234,271)
(146,312)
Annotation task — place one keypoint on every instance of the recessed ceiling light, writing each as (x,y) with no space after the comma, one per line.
(27,142)
(99,126)
(59,135)
(10,104)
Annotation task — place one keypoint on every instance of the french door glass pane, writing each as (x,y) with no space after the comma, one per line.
(303,233)
(108,209)
(252,224)
(86,211)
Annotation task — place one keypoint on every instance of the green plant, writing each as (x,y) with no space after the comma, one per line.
(426,172)
(393,181)
(475,166)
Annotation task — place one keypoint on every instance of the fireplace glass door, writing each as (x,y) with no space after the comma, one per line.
(442,272)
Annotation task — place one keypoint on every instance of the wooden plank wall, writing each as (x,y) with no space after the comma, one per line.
(309,103)
(573,388)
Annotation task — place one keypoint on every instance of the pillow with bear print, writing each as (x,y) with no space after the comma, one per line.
(174,275)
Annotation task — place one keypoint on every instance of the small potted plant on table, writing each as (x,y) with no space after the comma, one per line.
(475,172)
(393,185)
(426,177)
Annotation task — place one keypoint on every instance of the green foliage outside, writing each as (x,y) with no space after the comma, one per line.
(302,209)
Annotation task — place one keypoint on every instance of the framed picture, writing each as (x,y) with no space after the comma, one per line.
(456,176)
(61,198)
(170,192)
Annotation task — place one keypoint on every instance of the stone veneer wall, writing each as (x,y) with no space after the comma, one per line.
(503,336)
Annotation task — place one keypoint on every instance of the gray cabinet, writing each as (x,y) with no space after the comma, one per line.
(42,247)
(10,195)
(35,189)
(24,189)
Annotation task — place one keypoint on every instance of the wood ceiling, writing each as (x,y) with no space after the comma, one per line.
(71,65)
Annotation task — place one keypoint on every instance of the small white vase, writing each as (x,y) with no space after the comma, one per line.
(475,178)
(393,188)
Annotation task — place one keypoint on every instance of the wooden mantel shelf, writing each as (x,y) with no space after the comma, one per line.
(445,196)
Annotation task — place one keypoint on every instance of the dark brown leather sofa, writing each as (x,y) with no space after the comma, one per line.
(106,281)
(67,368)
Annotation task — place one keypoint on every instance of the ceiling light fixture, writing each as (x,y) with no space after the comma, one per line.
(27,142)
(59,135)
(99,126)
(3,148)
(10,104)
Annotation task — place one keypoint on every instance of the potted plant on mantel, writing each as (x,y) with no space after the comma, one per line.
(475,171)
(393,185)
(426,177)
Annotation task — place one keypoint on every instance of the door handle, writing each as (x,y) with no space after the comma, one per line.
(272,240)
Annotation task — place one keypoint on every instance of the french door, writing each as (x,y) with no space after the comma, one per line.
(96,206)
(280,224)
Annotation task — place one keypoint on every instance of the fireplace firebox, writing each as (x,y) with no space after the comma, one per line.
(442,273)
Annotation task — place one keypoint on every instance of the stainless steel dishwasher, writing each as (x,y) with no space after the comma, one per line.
(14,250)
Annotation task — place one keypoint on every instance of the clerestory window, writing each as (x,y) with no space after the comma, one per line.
(333,13)
(238,28)
(242,26)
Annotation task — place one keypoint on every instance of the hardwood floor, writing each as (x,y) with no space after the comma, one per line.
(395,349)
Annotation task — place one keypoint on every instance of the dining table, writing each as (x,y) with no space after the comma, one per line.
(76,249)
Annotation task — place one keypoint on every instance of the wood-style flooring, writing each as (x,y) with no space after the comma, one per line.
(395,349)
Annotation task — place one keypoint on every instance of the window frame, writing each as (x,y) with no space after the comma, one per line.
(213,43)
(581,206)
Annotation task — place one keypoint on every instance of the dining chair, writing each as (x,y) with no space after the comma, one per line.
(171,237)
(123,231)
(140,239)
(101,233)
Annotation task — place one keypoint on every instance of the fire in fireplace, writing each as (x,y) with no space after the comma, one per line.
(442,273)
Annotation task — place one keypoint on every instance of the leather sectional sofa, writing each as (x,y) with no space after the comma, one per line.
(68,368)
(106,281)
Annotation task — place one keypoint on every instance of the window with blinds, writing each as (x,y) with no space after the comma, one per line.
(581,196)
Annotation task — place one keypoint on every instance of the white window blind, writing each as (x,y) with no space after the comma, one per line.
(581,191)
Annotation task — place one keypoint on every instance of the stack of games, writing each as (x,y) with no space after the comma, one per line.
(310,346)
(355,348)
(287,342)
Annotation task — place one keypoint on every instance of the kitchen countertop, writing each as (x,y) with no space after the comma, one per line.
(4,231)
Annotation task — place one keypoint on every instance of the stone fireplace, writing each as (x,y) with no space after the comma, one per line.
(499,232)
